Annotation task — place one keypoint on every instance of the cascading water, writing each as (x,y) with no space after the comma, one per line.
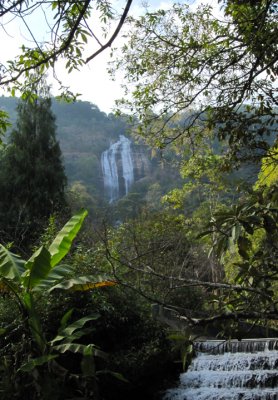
(128,173)
(234,370)
(118,151)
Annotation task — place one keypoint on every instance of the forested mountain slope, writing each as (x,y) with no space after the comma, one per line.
(84,133)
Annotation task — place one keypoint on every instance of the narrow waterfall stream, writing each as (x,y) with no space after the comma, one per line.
(234,370)
(116,164)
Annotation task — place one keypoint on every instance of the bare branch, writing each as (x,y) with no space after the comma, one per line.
(115,34)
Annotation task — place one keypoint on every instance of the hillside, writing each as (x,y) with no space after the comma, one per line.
(84,133)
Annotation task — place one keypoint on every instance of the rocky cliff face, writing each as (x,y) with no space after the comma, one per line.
(141,162)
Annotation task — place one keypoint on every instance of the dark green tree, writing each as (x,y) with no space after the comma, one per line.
(32,178)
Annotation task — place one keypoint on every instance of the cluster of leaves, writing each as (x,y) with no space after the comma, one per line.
(184,66)
(69,30)
(155,255)
(197,80)
(26,281)
(49,352)
(240,230)
(249,229)
(68,23)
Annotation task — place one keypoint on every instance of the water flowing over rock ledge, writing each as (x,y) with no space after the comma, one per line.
(236,346)
(230,370)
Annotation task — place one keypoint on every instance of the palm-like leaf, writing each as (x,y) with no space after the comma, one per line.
(68,331)
(88,350)
(55,276)
(37,268)
(35,362)
(11,265)
(83,283)
(62,243)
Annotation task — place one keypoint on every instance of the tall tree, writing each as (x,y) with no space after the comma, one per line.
(32,179)
(186,65)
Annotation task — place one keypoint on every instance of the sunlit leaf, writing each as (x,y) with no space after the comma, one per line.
(83,283)
(56,274)
(62,243)
(37,268)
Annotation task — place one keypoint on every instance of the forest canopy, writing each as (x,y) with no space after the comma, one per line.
(203,91)
(206,85)
(186,71)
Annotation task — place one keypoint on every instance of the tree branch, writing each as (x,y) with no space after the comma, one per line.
(231,316)
(115,34)
(53,55)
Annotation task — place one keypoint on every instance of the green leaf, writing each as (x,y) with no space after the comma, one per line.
(72,347)
(88,362)
(38,267)
(235,232)
(249,229)
(116,375)
(3,331)
(11,265)
(70,329)
(205,233)
(35,362)
(65,319)
(56,274)
(84,37)
(177,336)
(62,243)
(186,354)
(269,224)
(244,245)
(34,322)
(221,245)
(83,283)
(80,348)
(77,335)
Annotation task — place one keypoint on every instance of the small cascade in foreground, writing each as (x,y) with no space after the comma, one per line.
(233,370)
(116,164)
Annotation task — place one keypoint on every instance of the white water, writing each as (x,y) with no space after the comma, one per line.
(119,153)
(245,370)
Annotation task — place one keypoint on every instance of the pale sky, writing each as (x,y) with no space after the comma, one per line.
(92,81)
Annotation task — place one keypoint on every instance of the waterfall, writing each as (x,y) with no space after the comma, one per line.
(118,154)
(234,370)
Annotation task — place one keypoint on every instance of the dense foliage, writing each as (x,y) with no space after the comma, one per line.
(46,350)
(206,86)
(203,86)
(196,71)
(84,132)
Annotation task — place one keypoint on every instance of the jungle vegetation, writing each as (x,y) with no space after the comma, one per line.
(75,318)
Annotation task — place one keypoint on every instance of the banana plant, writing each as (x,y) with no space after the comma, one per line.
(44,272)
